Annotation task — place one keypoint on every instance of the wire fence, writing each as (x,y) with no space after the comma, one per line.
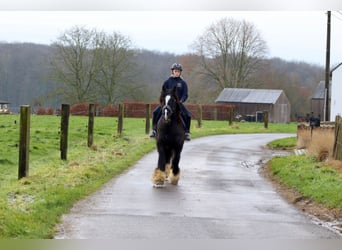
(138,110)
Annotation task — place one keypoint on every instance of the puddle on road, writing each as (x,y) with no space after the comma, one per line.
(268,154)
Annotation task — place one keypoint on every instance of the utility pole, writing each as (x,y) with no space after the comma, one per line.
(327,72)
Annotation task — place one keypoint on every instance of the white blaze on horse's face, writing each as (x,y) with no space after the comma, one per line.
(165,115)
(167,99)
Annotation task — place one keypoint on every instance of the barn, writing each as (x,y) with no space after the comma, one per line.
(252,102)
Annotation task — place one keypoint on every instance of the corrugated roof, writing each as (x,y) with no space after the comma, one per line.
(319,91)
(269,96)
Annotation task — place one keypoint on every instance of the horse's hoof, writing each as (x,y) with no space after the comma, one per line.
(174,182)
(158,185)
(158,178)
(174,178)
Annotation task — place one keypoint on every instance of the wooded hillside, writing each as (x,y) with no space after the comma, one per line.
(25,78)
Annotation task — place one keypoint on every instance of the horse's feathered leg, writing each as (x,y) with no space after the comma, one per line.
(175,173)
(167,170)
(162,158)
(159,175)
(174,178)
(158,178)
(168,166)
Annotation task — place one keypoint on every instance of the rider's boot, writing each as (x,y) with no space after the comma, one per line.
(153,134)
(187,136)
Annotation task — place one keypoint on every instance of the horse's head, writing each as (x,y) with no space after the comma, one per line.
(169,103)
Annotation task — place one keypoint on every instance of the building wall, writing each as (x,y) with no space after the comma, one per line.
(281,113)
(282,110)
(336,90)
(278,113)
(317,107)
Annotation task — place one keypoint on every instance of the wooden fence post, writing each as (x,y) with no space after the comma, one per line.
(91,124)
(230,115)
(64,130)
(265,114)
(199,116)
(120,118)
(24,144)
(337,153)
(148,122)
(215,114)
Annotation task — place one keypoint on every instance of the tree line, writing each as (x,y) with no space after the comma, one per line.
(85,65)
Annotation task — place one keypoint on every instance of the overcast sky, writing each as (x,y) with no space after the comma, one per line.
(290,35)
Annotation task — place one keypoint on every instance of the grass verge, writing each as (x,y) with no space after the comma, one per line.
(312,179)
(283,144)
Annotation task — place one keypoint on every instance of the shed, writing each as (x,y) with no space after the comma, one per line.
(252,101)
(317,100)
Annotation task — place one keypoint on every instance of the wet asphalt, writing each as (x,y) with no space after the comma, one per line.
(220,195)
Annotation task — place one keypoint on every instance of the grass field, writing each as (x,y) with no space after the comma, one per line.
(31,207)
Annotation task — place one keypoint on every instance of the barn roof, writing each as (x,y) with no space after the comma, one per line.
(267,96)
(319,91)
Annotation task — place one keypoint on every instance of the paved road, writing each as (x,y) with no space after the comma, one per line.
(220,195)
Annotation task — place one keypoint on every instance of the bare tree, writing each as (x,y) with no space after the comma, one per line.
(91,65)
(230,52)
(113,76)
(75,64)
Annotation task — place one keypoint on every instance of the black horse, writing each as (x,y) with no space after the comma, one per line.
(169,140)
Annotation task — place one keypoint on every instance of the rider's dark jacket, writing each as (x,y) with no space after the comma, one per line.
(181,87)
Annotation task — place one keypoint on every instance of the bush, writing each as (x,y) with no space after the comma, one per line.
(45,111)
(319,142)
(41,111)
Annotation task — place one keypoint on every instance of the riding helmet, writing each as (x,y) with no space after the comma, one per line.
(176,66)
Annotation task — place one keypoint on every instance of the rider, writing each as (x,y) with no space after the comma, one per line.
(175,80)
